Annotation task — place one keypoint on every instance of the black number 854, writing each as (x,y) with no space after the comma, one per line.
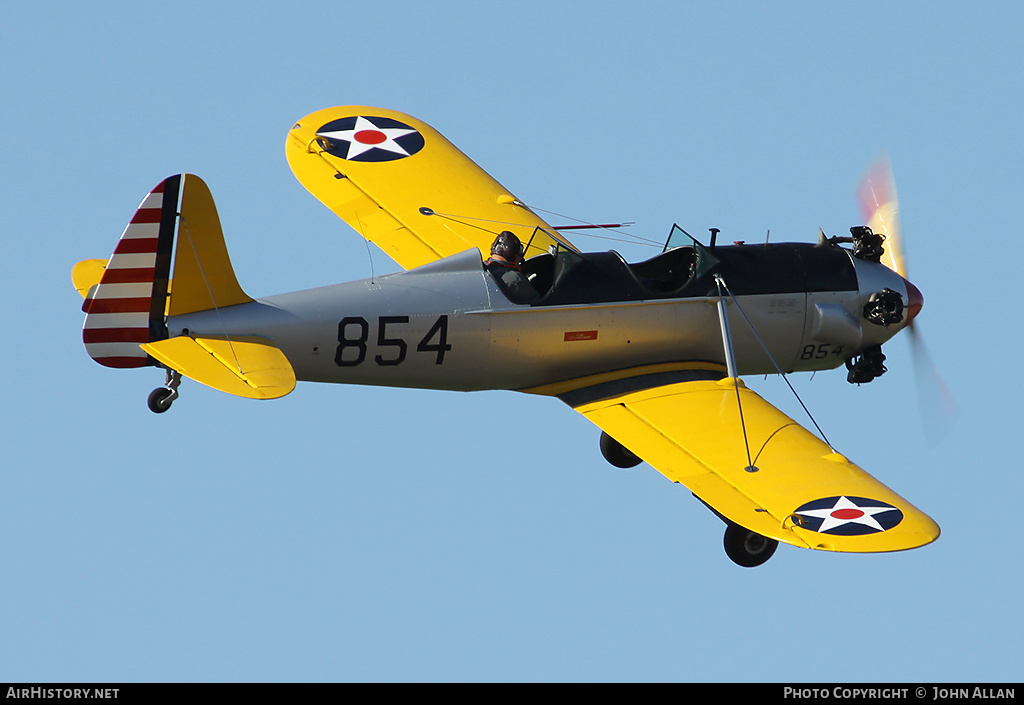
(820,352)
(354,332)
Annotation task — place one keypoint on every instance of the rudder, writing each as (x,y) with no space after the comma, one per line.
(127,307)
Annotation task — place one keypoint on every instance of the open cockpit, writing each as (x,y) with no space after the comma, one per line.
(565,276)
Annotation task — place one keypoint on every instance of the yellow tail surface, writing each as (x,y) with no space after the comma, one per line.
(174,234)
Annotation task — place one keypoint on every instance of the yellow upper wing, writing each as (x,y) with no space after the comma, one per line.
(799,490)
(400,184)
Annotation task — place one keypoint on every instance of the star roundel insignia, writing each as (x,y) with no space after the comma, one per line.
(847,516)
(366,138)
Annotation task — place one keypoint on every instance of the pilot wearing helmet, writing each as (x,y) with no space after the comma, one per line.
(505,265)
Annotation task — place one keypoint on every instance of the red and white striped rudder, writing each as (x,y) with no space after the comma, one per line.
(127,307)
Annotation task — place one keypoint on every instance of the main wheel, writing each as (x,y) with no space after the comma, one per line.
(747,548)
(616,453)
(158,400)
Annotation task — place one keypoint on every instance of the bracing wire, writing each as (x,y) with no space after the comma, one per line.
(209,290)
(628,239)
(776,364)
(631,239)
(461,220)
(366,241)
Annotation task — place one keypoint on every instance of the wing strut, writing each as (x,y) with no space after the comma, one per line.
(730,364)
(729,355)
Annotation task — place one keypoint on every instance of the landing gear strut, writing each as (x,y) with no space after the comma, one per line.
(747,548)
(160,398)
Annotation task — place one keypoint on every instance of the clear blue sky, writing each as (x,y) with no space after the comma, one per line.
(346,533)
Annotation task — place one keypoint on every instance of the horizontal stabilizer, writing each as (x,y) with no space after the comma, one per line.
(246,367)
(87,274)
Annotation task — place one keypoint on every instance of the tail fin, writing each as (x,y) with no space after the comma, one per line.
(133,298)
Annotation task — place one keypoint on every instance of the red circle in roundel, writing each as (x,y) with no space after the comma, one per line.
(369,137)
(847,514)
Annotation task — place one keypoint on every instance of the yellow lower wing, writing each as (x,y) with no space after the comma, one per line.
(799,491)
(246,367)
(400,184)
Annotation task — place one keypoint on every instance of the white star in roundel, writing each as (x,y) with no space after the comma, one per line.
(365,136)
(845,511)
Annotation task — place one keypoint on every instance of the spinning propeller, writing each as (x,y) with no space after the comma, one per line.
(880,211)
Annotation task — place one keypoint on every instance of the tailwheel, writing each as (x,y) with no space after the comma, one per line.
(748,548)
(160,398)
(617,454)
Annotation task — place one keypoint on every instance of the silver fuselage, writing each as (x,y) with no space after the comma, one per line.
(447,325)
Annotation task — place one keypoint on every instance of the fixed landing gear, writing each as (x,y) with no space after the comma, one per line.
(747,548)
(617,454)
(160,398)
